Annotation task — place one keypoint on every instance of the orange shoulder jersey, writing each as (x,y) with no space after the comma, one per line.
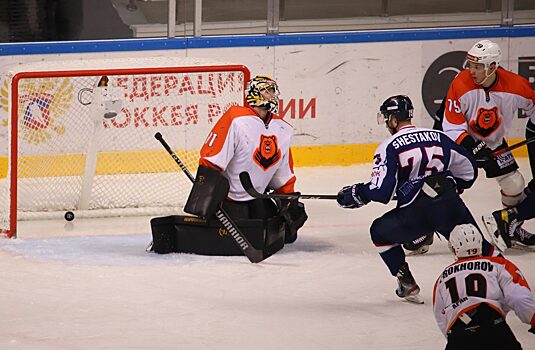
(241,141)
(486,115)
(469,282)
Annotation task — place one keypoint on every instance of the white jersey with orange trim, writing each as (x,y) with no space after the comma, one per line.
(486,114)
(469,282)
(241,141)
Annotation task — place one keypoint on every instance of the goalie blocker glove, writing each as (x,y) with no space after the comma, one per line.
(209,190)
(352,197)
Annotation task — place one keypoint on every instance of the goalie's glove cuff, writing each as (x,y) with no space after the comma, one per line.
(352,197)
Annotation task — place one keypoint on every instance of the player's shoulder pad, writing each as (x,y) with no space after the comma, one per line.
(238,111)
(463,83)
(232,114)
(514,83)
(278,117)
(227,119)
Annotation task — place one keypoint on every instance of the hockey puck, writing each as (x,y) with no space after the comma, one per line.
(110,115)
(69,216)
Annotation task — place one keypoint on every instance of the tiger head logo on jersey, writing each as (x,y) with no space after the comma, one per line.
(486,122)
(268,153)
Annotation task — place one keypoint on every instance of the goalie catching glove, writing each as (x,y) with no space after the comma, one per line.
(352,196)
(294,214)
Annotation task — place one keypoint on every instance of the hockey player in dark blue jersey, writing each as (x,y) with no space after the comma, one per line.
(424,170)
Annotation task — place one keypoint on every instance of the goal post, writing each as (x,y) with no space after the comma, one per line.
(79,135)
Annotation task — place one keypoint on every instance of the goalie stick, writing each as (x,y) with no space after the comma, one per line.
(254,255)
(247,184)
(512,147)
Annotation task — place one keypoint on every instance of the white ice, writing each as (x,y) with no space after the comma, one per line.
(92,285)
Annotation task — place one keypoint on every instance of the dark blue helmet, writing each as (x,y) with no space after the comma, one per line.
(399,105)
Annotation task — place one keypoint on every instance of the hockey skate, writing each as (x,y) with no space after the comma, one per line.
(522,239)
(407,287)
(492,234)
(507,222)
(510,228)
(420,245)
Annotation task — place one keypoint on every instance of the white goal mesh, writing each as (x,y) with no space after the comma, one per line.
(80,134)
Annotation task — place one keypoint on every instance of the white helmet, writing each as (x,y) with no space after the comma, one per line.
(485,52)
(465,241)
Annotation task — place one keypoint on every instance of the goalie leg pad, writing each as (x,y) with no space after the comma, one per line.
(264,209)
(190,234)
(275,230)
(209,189)
(253,209)
(163,234)
(512,188)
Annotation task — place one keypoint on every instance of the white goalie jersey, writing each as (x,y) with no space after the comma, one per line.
(241,141)
(467,283)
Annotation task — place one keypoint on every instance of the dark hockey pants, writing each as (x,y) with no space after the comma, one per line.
(424,215)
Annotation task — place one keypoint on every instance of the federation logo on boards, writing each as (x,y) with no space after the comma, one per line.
(4,102)
(41,105)
(438,77)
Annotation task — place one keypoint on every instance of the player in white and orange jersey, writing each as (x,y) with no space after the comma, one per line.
(251,138)
(254,139)
(479,111)
(472,296)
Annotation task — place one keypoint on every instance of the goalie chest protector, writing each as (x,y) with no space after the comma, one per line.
(191,234)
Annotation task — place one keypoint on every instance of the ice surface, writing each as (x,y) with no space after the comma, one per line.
(91,285)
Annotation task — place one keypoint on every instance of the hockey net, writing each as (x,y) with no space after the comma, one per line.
(79,135)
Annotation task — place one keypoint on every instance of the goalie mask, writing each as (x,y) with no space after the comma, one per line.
(263,92)
(465,241)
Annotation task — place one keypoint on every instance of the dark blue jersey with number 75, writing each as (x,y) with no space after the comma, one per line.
(403,161)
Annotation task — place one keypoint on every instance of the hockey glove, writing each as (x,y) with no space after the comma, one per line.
(294,214)
(530,188)
(352,197)
(482,153)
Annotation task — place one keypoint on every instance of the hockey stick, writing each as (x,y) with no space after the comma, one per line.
(254,255)
(247,184)
(491,233)
(512,147)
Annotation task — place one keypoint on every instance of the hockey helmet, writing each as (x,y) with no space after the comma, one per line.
(485,52)
(465,241)
(400,106)
(258,88)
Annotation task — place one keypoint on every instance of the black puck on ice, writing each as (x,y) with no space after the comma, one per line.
(69,216)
